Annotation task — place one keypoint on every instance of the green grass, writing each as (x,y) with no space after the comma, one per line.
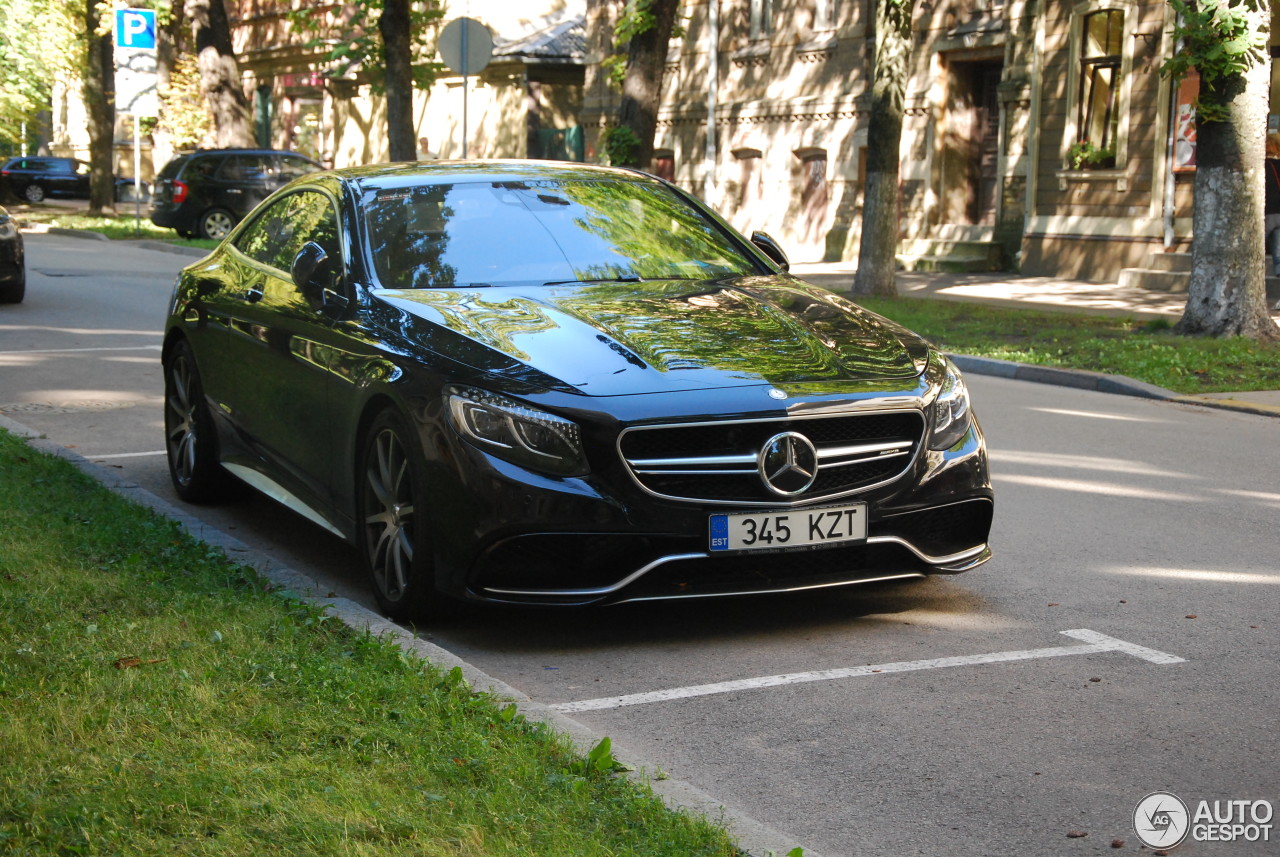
(156,699)
(1147,351)
(122,226)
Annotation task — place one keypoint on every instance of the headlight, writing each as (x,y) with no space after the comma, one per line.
(518,433)
(950,410)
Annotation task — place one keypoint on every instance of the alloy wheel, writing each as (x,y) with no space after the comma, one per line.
(181,423)
(389,515)
(216,224)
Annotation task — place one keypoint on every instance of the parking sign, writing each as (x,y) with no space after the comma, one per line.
(136,29)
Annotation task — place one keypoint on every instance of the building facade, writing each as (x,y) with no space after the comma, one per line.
(1039,136)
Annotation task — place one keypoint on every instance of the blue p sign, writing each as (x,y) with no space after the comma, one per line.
(136,29)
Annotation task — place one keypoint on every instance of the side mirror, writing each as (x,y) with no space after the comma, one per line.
(313,273)
(770,248)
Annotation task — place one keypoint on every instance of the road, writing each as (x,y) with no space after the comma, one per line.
(1148,523)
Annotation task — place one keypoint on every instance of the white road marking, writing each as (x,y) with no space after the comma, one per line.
(1094,643)
(124,455)
(86,350)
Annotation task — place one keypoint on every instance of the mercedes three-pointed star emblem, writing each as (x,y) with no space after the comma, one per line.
(788,464)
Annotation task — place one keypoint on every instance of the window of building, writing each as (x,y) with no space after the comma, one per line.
(824,14)
(664,164)
(761,19)
(813,193)
(1097,100)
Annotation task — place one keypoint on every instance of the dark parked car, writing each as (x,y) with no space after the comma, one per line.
(35,178)
(13,266)
(206,193)
(562,384)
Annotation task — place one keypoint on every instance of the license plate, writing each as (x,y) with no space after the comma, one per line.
(799,528)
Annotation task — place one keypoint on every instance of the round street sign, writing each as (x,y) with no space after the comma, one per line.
(466,45)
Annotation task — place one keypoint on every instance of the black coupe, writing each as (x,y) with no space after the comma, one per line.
(560,384)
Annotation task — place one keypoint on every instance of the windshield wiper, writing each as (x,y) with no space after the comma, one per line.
(595,280)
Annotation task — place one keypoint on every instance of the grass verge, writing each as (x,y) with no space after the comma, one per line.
(158,699)
(1147,351)
(123,225)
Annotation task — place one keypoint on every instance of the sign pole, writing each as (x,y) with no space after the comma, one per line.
(137,175)
(465,70)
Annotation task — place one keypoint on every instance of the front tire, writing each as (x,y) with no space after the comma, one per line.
(216,223)
(15,291)
(191,442)
(394,537)
(34,193)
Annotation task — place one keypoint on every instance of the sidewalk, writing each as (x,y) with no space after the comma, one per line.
(1045,293)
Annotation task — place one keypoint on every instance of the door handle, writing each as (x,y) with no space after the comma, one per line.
(253,295)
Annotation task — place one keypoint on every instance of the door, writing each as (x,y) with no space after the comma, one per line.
(985,146)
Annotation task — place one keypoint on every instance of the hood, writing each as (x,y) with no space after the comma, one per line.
(609,339)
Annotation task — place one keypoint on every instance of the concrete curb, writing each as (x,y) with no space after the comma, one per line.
(145,244)
(752,836)
(76,233)
(1103,383)
(1078,378)
(1242,406)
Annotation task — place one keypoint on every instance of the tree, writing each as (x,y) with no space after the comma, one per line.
(397,61)
(98,91)
(1226,41)
(878,247)
(35,37)
(220,73)
(394,51)
(644,29)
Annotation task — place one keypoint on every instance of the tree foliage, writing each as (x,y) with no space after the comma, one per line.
(1221,40)
(641,34)
(36,38)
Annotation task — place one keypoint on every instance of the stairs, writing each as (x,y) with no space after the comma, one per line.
(1171,272)
(951,256)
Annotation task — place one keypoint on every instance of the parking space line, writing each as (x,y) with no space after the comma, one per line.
(125,455)
(1094,643)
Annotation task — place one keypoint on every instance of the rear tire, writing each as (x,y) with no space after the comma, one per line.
(394,536)
(191,441)
(34,193)
(216,223)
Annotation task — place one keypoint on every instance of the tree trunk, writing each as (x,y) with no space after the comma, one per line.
(393,25)
(98,89)
(1227,295)
(169,46)
(642,84)
(878,247)
(220,73)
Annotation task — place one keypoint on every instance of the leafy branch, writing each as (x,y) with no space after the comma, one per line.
(1220,39)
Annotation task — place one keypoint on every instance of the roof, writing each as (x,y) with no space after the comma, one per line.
(564,42)
(422,173)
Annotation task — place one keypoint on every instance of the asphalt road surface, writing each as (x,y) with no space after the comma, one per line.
(1124,640)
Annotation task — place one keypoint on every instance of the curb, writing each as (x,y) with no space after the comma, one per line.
(753,837)
(145,244)
(1119,384)
(1079,378)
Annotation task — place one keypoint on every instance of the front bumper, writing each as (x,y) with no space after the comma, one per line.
(601,540)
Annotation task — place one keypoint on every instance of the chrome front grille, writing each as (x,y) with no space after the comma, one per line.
(719,462)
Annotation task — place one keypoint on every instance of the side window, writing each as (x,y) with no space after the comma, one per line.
(292,166)
(243,168)
(278,233)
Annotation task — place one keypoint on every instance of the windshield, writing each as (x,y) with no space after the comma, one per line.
(542,232)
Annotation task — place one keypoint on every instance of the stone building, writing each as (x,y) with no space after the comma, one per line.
(765,113)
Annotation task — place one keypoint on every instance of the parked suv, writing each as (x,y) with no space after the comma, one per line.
(34,178)
(205,193)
